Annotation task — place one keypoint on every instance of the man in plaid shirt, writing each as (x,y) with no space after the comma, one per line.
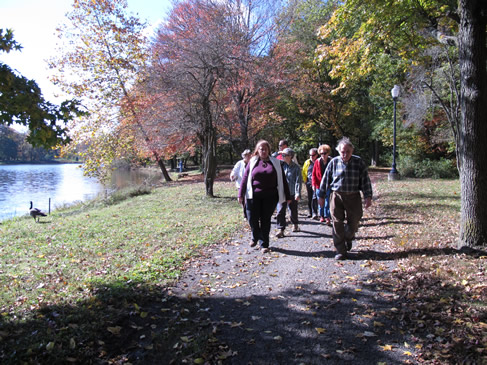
(346,175)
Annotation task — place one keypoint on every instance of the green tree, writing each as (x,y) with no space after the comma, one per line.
(21,102)
(8,145)
(359,34)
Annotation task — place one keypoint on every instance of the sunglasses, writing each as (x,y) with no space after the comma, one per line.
(314,154)
(323,153)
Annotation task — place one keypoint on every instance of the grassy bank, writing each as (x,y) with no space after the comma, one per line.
(65,280)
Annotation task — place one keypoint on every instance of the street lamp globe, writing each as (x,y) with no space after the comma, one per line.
(394,174)
(396,90)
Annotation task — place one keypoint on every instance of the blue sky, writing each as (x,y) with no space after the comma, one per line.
(34,23)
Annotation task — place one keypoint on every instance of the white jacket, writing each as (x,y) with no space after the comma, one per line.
(237,172)
(280,184)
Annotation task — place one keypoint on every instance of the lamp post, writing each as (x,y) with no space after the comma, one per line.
(394,174)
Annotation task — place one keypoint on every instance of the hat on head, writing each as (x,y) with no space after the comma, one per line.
(288,151)
(245,153)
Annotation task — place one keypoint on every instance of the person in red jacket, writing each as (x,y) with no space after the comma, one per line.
(318,171)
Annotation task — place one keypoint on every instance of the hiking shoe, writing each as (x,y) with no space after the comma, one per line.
(341,256)
(296,228)
(315,217)
(265,249)
(280,234)
(253,243)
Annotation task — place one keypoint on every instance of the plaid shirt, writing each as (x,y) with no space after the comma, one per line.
(348,178)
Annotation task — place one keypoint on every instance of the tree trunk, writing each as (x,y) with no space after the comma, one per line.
(160,162)
(209,162)
(473,130)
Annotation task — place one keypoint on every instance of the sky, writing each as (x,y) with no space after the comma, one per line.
(34,23)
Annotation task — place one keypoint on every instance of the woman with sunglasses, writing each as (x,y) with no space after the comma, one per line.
(318,172)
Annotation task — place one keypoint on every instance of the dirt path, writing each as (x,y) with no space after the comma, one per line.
(294,305)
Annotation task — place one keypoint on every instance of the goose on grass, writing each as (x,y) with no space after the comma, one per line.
(36,213)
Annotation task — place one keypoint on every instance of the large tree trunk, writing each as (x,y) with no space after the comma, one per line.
(473,130)
(160,162)
(210,164)
(208,141)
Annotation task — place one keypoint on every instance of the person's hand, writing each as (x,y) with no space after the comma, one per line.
(321,202)
(240,200)
(232,178)
(368,202)
(288,202)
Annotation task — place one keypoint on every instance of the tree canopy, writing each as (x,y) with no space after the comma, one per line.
(22,102)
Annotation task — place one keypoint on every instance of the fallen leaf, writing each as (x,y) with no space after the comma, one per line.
(114,330)
(369,334)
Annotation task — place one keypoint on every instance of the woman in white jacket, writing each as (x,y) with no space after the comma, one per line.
(263,186)
(239,168)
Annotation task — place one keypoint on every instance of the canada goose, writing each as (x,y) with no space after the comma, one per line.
(36,213)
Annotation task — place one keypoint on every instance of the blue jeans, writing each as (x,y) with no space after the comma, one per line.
(324,210)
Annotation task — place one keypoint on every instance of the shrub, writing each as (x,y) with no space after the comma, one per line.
(130,192)
(427,168)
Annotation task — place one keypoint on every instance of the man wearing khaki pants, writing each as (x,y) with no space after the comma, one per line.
(346,175)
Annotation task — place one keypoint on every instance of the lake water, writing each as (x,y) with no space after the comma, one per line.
(62,183)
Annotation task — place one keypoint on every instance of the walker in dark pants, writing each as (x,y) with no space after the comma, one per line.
(312,201)
(281,214)
(259,214)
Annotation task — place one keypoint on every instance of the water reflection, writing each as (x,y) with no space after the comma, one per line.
(61,183)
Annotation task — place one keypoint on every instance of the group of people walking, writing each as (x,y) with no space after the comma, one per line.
(268,182)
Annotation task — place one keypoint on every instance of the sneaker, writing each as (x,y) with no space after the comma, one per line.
(341,256)
(253,243)
(328,222)
(315,217)
(280,234)
(322,219)
(296,228)
(265,249)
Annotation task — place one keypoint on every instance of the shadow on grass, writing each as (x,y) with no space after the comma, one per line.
(144,324)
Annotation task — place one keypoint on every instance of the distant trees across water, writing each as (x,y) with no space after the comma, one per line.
(15,148)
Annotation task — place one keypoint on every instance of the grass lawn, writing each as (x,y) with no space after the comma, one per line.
(62,280)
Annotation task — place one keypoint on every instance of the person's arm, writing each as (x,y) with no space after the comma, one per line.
(325,184)
(235,171)
(366,185)
(243,185)
(315,182)
(287,193)
(297,189)
(304,171)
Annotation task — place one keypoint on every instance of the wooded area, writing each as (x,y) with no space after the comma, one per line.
(221,75)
